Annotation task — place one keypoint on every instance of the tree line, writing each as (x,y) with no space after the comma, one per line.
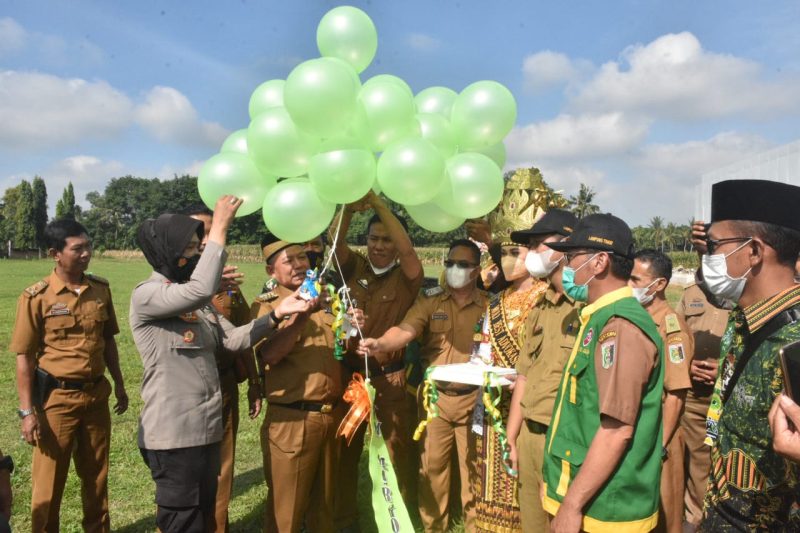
(114,215)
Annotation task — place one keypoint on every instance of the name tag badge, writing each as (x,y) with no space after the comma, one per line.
(58,309)
(189,317)
(438,315)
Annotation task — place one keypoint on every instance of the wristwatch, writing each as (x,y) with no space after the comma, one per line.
(275,319)
(24,412)
(7,463)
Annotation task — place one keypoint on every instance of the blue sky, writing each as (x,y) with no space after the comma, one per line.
(637,99)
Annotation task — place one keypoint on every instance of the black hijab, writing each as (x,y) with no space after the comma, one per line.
(163,241)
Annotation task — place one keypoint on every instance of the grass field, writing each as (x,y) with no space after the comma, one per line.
(130,485)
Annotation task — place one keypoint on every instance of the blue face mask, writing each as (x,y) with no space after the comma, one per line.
(579,293)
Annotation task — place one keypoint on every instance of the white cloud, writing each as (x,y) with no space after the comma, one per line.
(674,78)
(39,111)
(170,117)
(169,171)
(547,69)
(13,37)
(423,42)
(575,137)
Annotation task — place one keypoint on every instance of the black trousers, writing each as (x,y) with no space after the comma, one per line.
(186,486)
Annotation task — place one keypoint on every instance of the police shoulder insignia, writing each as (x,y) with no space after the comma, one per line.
(671,321)
(676,354)
(607,335)
(433,291)
(97,278)
(608,351)
(36,288)
(267,297)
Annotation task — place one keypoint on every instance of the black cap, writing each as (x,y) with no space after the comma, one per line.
(557,221)
(757,201)
(605,233)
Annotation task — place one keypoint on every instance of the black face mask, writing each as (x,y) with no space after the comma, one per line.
(183,272)
(315,259)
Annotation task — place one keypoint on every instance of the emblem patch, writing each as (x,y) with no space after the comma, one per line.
(588,337)
(191,316)
(362,282)
(188,336)
(607,335)
(676,354)
(58,309)
(608,352)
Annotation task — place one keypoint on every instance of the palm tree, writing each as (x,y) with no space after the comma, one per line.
(582,204)
(657,232)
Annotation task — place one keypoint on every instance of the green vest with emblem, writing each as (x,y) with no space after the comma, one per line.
(629,499)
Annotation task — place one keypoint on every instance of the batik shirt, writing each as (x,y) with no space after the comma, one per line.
(751,487)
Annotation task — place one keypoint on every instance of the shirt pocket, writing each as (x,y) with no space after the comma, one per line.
(95,318)
(575,371)
(57,330)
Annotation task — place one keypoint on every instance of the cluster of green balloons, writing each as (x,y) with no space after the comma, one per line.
(322,137)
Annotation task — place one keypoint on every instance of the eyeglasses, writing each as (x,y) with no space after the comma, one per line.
(713,244)
(460,264)
(572,255)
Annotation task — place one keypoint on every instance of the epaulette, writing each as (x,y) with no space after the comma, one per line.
(672,324)
(266,297)
(433,291)
(98,279)
(36,288)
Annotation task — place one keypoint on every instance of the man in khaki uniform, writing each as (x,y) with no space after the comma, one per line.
(652,271)
(547,339)
(707,317)
(303,385)
(64,340)
(384,284)
(233,368)
(446,319)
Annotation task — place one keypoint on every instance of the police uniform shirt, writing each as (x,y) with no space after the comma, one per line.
(548,337)
(385,299)
(678,347)
(231,305)
(309,371)
(66,330)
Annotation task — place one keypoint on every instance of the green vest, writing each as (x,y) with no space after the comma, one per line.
(629,499)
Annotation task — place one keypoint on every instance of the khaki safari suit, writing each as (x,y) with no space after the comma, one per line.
(385,299)
(232,305)
(678,352)
(548,336)
(67,333)
(446,330)
(707,324)
(298,438)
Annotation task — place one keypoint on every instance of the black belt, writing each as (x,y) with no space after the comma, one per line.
(391,368)
(77,385)
(535,427)
(313,407)
(458,392)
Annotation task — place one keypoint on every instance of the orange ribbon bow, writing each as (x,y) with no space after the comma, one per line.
(356,395)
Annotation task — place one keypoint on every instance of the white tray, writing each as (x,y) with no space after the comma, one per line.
(471,373)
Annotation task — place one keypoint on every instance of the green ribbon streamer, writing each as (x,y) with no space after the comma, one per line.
(391,514)
(430,395)
(492,393)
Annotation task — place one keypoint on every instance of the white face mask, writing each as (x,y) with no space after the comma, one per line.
(539,264)
(381,271)
(640,293)
(457,277)
(717,280)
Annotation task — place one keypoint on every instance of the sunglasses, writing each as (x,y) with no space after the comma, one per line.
(460,264)
(713,244)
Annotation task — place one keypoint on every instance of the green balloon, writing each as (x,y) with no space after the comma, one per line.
(277,146)
(236,142)
(483,114)
(385,114)
(268,94)
(320,96)
(431,217)
(236,174)
(473,186)
(340,142)
(495,152)
(437,130)
(348,33)
(411,171)
(342,176)
(400,82)
(294,212)
(437,100)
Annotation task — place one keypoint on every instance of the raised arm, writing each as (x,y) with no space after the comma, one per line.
(409,261)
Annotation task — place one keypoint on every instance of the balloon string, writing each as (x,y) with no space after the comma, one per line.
(350,305)
(335,242)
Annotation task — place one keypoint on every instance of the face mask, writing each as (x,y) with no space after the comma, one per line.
(457,277)
(381,271)
(539,264)
(185,268)
(579,293)
(315,259)
(717,280)
(640,293)
(513,268)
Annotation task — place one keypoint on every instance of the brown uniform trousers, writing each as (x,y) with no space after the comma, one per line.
(298,437)
(385,300)
(707,323)
(546,342)
(67,332)
(231,305)
(678,352)
(446,330)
